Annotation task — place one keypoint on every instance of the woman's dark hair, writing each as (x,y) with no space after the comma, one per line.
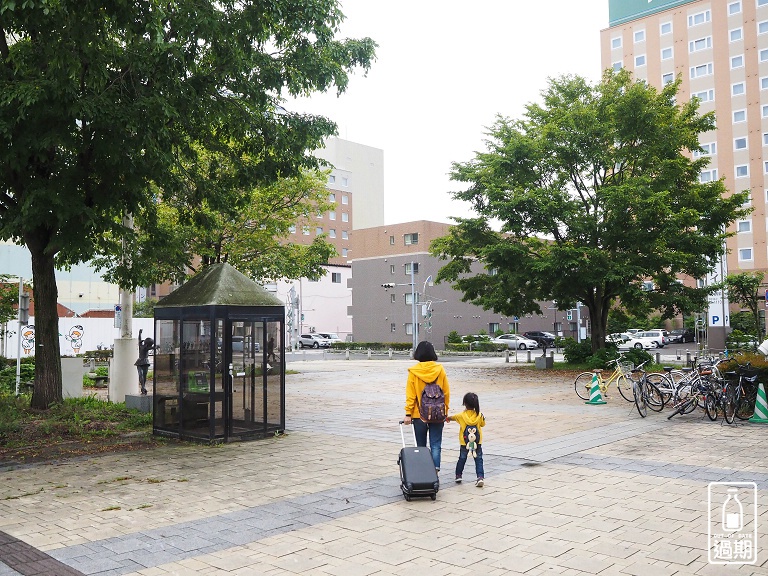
(425,352)
(471,402)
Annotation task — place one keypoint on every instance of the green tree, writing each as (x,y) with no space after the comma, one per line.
(145,308)
(596,194)
(744,289)
(103,104)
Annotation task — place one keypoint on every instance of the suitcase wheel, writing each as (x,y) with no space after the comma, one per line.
(434,497)
(407,497)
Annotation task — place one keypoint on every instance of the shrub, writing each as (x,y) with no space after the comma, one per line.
(576,352)
(454,337)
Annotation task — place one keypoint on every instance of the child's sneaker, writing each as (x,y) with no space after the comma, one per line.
(458,479)
(479,483)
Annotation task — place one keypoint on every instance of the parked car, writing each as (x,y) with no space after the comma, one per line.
(630,343)
(544,339)
(657,337)
(617,337)
(313,341)
(237,344)
(515,341)
(634,330)
(333,337)
(682,335)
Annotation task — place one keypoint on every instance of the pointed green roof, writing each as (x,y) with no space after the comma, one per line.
(219,284)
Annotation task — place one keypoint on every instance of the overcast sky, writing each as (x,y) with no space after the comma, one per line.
(443,71)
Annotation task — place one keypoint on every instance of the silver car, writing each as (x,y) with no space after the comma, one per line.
(313,341)
(515,341)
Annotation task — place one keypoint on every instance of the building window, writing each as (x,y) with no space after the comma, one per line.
(748,201)
(667,78)
(740,143)
(764,110)
(640,60)
(762,27)
(344,252)
(764,83)
(344,217)
(331,197)
(393,298)
(292,228)
(393,327)
(412,238)
(331,179)
(616,42)
(336,277)
(742,171)
(493,327)
(739,116)
(319,215)
(737,62)
(344,235)
(391,240)
(708,175)
(735,35)
(707,149)
(702,70)
(415,268)
(763,55)
(344,199)
(332,233)
(408,298)
(640,36)
(705,95)
(745,254)
(737,89)
(617,66)
(344,181)
(666,53)
(318,230)
(700,44)
(665,28)
(762,2)
(699,18)
(734,7)
(409,328)
(765,167)
(765,138)
(305,230)
(744,226)
(391,268)
(332,215)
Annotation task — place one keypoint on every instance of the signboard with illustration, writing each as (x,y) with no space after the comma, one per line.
(623,11)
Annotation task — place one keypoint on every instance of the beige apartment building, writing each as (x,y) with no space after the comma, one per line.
(719,49)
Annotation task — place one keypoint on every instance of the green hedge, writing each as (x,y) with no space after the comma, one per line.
(476,347)
(397,346)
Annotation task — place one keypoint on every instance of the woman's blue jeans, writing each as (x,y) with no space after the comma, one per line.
(435,431)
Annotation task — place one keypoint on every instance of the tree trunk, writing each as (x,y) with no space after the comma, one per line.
(598,319)
(47,352)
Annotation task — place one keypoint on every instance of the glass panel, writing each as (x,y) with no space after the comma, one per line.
(248,356)
(273,391)
(166,381)
(195,377)
(218,380)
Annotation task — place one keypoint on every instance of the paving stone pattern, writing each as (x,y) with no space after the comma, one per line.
(570,489)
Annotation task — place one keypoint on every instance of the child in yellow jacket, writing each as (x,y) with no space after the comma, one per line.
(470,436)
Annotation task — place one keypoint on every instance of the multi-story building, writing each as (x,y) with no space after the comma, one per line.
(383,294)
(719,49)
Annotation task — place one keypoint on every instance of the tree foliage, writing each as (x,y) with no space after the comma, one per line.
(104,103)
(596,193)
(744,289)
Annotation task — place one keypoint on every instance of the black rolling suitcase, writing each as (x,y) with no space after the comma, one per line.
(418,476)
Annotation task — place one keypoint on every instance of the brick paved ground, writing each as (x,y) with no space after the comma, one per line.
(570,489)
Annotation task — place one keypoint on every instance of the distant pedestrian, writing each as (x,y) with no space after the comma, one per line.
(428,373)
(470,437)
(271,349)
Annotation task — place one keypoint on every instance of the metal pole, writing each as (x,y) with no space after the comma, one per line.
(578,322)
(18,339)
(413,311)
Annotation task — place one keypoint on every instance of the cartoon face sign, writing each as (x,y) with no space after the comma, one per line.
(28,338)
(75,338)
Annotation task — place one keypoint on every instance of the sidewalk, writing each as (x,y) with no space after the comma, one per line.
(570,489)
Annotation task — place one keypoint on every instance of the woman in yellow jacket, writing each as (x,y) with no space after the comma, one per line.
(428,370)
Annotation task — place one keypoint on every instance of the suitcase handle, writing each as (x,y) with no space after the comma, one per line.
(402,435)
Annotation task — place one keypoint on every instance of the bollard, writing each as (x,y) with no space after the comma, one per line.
(687,358)
(324,355)
(529,356)
(506,356)
(678,353)
(658,357)
(369,353)
(390,353)
(346,355)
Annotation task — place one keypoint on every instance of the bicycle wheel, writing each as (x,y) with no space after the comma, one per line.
(661,386)
(693,402)
(625,388)
(710,406)
(746,406)
(642,408)
(583,384)
(654,397)
(681,407)
(729,404)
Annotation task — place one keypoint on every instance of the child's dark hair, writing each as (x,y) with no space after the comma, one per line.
(471,402)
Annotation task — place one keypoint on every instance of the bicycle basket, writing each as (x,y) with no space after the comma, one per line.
(627,367)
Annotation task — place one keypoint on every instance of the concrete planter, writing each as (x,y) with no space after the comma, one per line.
(545,362)
(72,371)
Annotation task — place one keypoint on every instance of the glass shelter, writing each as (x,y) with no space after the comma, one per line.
(219,371)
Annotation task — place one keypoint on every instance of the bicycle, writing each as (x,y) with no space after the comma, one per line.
(719,397)
(583,382)
(688,404)
(744,389)
(645,392)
